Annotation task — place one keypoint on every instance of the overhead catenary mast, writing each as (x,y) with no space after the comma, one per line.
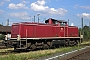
(68,22)
(34,19)
(38,17)
(7,22)
(82,26)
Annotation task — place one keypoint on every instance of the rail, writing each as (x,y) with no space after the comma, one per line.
(75,55)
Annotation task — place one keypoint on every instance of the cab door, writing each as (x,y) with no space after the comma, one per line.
(62,31)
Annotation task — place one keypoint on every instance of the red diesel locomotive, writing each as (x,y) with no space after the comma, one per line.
(52,33)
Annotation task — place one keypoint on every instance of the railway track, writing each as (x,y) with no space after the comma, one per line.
(2,46)
(4,53)
(83,54)
(10,52)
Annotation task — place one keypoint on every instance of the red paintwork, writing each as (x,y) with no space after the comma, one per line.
(33,30)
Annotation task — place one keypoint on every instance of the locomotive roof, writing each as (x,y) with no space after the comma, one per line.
(56,21)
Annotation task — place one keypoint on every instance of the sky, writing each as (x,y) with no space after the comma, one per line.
(25,10)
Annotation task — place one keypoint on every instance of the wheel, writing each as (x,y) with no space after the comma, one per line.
(66,43)
(28,45)
(75,43)
(45,46)
(49,44)
(70,43)
(33,47)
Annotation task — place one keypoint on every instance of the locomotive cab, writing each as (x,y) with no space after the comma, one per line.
(63,23)
(57,22)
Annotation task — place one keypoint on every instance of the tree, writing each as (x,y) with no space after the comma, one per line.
(86,31)
(1,25)
(2,36)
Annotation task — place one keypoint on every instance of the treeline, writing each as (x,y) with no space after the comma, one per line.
(86,32)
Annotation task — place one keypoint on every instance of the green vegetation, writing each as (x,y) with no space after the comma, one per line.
(86,32)
(1,25)
(1,37)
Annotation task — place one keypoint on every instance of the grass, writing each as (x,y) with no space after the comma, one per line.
(36,54)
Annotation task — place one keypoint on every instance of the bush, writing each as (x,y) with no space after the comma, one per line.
(2,37)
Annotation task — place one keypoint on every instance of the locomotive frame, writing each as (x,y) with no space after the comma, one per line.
(45,43)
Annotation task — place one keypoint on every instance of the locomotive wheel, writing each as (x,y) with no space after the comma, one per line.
(75,43)
(49,44)
(33,47)
(28,45)
(70,43)
(45,46)
(66,43)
